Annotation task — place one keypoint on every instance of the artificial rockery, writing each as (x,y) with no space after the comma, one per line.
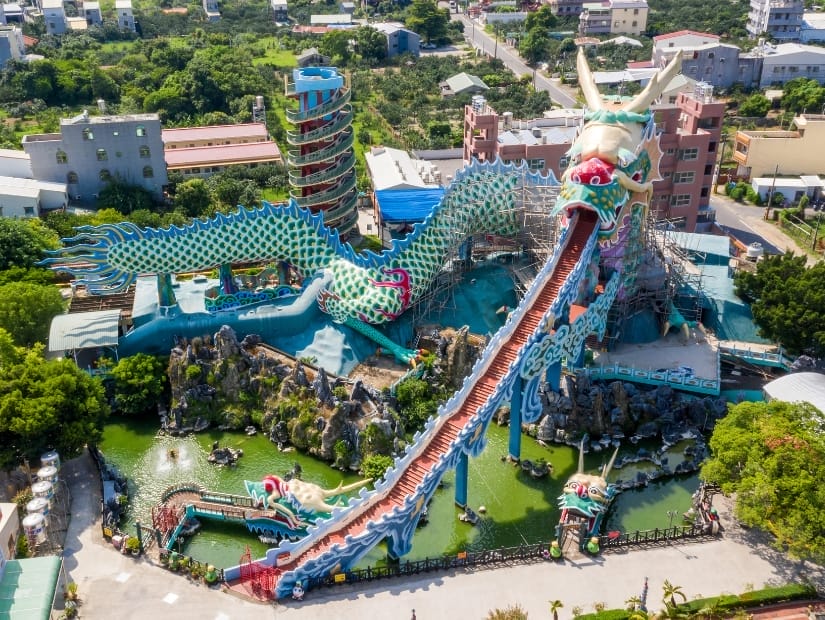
(221,381)
(231,384)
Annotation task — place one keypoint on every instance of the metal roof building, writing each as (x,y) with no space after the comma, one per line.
(806,387)
(71,333)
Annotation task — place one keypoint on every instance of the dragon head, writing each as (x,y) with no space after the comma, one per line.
(586,496)
(616,153)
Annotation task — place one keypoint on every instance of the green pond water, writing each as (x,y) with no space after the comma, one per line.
(520,509)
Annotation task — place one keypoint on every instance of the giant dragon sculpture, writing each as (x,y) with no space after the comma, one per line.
(586,498)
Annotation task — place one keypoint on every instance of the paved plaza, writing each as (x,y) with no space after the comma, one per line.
(112,585)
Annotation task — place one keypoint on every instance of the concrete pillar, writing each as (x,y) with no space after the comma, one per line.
(516,403)
(462,472)
(227,280)
(166,294)
(553,376)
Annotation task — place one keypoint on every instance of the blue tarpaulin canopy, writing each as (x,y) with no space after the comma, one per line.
(407,205)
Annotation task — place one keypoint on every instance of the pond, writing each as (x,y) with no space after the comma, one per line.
(519,509)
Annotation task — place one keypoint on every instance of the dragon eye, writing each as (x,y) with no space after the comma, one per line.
(595,181)
(576,178)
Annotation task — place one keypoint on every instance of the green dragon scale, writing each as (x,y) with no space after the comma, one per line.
(363,287)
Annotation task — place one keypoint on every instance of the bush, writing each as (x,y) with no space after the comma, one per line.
(727,602)
(193,372)
(375,466)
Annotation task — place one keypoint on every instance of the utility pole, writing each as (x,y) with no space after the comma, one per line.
(816,230)
(770,194)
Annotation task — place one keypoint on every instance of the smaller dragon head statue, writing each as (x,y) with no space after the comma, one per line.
(616,153)
(587,496)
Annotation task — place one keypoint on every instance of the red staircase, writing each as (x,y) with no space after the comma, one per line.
(484,387)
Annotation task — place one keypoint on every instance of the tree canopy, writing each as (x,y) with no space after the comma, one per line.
(45,404)
(802,94)
(787,301)
(772,455)
(27,309)
(756,105)
(138,383)
(425,18)
(22,242)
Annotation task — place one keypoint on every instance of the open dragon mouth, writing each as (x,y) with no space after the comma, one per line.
(593,185)
(568,515)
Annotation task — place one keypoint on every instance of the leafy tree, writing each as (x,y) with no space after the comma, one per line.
(138,383)
(192,197)
(670,592)
(772,455)
(755,105)
(22,242)
(802,94)
(371,44)
(27,309)
(375,466)
(425,18)
(787,301)
(535,45)
(417,401)
(335,44)
(542,19)
(124,197)
(32,275)
(45,404)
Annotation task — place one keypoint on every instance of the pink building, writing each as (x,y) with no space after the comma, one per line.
(690,141)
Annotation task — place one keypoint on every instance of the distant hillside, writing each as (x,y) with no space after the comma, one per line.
(726,17)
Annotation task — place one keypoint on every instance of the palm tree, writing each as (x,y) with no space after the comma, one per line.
(670,592)
(634,602)
(554,608)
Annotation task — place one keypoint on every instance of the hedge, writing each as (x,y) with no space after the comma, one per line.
(725,602)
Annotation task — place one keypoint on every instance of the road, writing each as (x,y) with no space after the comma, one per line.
(747,223)
(480,40)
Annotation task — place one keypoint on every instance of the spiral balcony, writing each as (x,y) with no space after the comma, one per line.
(323,139)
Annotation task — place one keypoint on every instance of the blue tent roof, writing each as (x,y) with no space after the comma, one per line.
(407,205)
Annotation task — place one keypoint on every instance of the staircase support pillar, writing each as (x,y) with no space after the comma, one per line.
(462,473)
(516,403)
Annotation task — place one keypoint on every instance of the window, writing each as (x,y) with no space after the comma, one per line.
(684,177)
(712,147)
(689,154)
(634,23)
(680,200)
(140,131)
(535,164)
(115,133)
(708,169)
(105,175)
(28,210)
(563,163)
(670,152)
(101,155)
(71,178)
(61,157)
(148,173)
(88,134)
(144,152)
(705,192)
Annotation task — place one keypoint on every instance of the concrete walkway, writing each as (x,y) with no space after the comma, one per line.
(112,585)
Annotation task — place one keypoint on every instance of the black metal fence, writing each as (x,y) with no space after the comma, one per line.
(537,552)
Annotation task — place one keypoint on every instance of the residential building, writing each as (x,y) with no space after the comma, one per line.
(462,83)
(30,198)
(691,133)
(279,10)
(797,151)
(54,16)
(210,7)
(203,151)
(321,159)
(813,27)
(91,12)
(342,19)
(312,57)
(124,15)
(15,163)
(400,40)
(90,151)
(777,19)
(565,8)
(665,45)
(613,17)
(348,7)
(715,63)
(3,21)
(540,143)
(690,142)
(11,44)
(11,14)
(787,61)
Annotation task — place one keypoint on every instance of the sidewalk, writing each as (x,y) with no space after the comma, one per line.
(112,585)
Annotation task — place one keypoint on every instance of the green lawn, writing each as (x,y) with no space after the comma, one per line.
(274,196)
(273,54)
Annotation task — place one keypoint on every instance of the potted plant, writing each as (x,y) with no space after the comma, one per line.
(133,545)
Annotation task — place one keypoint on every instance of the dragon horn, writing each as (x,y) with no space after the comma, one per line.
(581,457)
(341,489)
(587,82)
(655,86)
(609,466)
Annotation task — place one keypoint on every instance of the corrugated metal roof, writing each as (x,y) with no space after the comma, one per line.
(84,330)
(215,132)
(27,588)
(808,387)
(222,154)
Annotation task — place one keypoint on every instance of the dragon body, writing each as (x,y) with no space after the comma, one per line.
(362,288)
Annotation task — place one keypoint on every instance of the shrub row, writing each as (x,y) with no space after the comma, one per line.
(724,602)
